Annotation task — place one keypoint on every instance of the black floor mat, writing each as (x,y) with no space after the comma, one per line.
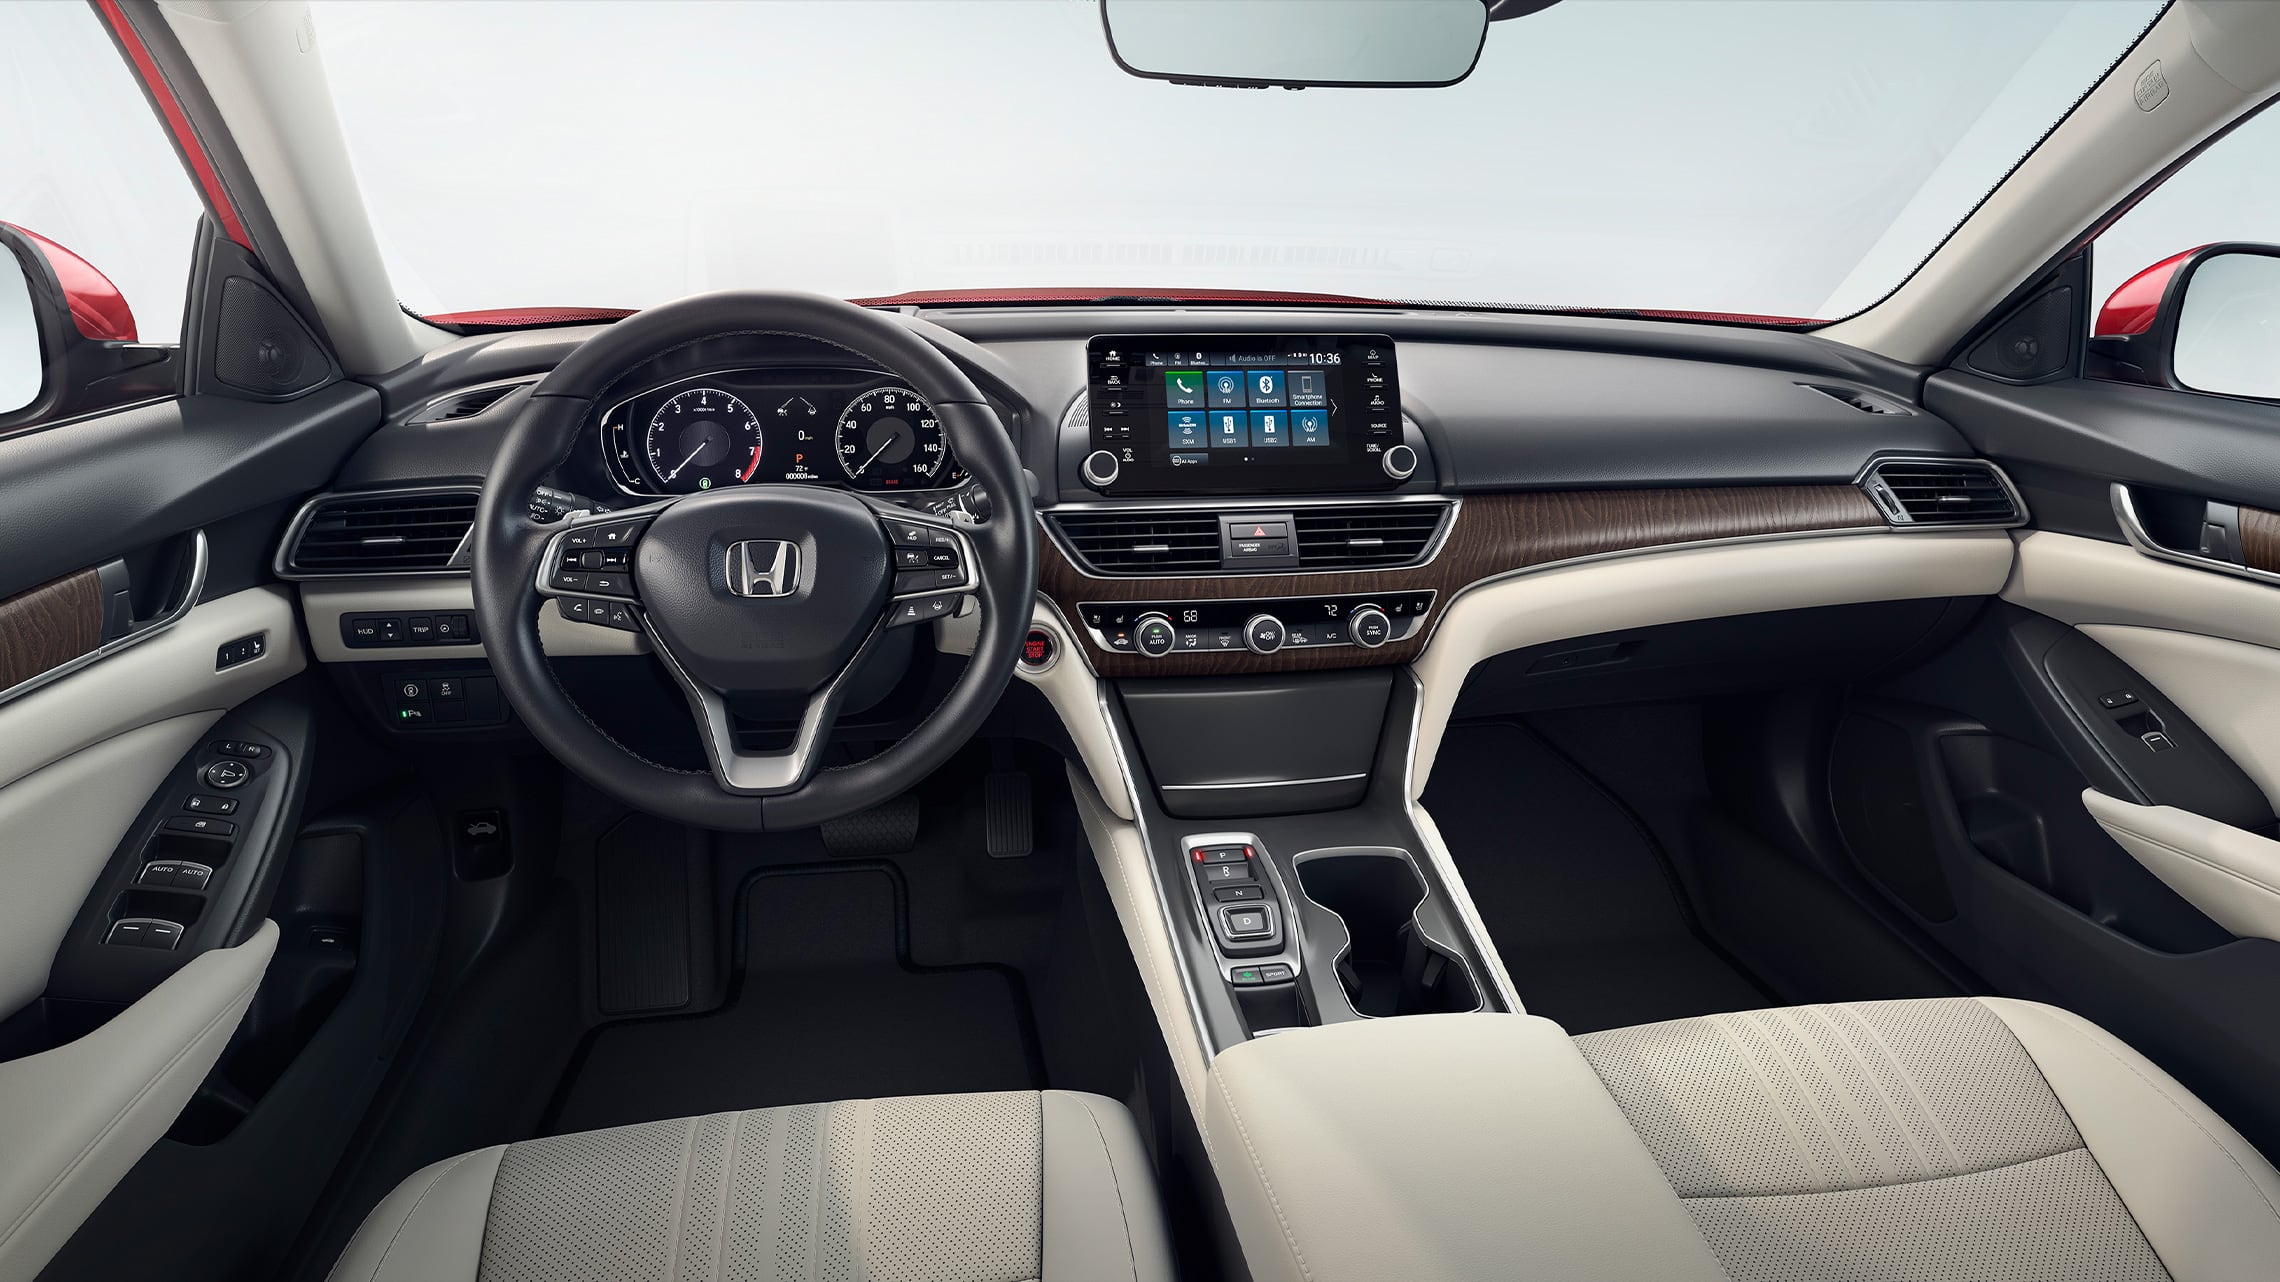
(1574,894)
(826,1007)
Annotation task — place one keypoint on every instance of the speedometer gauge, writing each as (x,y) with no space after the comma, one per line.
(889,439)
(702,439)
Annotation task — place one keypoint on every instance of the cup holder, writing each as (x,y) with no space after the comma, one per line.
(1388,966)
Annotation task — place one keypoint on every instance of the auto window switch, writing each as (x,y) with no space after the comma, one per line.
(157,874)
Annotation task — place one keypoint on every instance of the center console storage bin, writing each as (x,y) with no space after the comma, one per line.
(1250,746)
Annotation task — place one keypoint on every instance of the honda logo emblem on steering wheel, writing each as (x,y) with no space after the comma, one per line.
(763,567)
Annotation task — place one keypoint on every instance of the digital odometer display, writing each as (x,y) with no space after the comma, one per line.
(1187,414)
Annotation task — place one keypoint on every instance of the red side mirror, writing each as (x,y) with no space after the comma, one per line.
(98,310)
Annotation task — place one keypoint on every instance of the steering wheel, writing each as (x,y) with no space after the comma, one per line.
(773,592)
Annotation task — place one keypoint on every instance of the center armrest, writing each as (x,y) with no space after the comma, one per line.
(1438,1147)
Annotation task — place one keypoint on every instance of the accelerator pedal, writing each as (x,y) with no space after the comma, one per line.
(889,828)
(1005,799)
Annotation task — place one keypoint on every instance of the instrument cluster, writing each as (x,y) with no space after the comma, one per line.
(856,428)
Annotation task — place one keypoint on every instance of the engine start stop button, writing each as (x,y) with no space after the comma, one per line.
(1038,650)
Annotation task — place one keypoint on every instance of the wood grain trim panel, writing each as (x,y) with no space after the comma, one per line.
(50,625)
(1493,534)
(2260,539)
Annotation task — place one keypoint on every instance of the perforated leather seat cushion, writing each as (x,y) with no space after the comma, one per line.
(1007,1187)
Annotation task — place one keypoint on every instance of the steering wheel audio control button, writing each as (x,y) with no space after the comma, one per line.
(1154,636)
(227,774)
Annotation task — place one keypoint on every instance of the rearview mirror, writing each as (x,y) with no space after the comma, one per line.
(1297,43)
(2228,324)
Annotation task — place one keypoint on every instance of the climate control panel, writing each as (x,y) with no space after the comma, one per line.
(1258,625)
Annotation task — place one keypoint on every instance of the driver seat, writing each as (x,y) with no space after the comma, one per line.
(1046,1185)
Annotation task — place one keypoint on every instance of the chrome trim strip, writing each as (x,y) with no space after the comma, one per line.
(2133,529)
(171,616)
(1867,472)
(1454,953)
(455,567)
(1188,988)
(1445,865)
(1263,783)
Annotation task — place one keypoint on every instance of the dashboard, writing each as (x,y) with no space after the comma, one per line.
(777,424)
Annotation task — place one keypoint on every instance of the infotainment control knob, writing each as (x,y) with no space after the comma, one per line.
(1369,627)
(1264,634)
(1154,636)
(1399,462)
(1100,469)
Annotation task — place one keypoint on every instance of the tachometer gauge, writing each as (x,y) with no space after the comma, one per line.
(889,439)
(702,439)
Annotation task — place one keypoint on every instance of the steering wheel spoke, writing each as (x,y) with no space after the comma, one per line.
(587,567)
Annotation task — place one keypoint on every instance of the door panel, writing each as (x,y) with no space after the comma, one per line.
(74,1120)
(2231,690)
(2229,873)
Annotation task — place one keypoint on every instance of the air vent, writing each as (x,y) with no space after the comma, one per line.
(1366,536)
(1934,492)
(467,404)
(1856,398)
(398,532)
(1143,542)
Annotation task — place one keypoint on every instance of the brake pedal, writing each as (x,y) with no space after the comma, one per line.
(1006,815)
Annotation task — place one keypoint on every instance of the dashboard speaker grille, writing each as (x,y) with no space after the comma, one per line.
(1365,536)
(1143,542)
(1925,492)
(400,533)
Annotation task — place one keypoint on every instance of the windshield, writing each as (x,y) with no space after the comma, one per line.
(1778,160)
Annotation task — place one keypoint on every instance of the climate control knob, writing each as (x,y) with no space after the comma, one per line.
(1100,469)
(1154,636)
(1264,634)
(1369,627)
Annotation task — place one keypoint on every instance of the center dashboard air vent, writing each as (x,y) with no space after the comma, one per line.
(380,533)
(1942,492)
(1322,537)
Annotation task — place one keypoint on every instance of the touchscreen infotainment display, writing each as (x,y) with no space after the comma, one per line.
(1251,413)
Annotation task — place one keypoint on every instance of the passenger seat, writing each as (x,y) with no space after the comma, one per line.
(1049,1185)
